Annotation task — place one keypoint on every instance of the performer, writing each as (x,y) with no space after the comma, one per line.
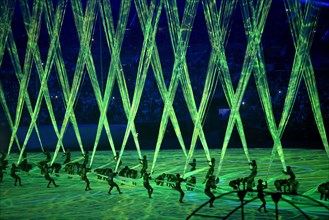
(124,171)
(251,177)
(1,173)
(13,174)
(86,156)
(24,165)
(116,158)
(144,163)
(3,160)
(290,173)
(48,156)
(190,183)
(193,164)
(111,182)
(85,178)
(211,184)
(68,156)
(146,182)
(211,169)
(292,182)
(261,196)
(47,176)
(323,189)
(179,188)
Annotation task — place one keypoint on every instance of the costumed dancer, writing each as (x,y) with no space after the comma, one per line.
(193,164)
(13,174)
(68,156)
(144,163)
(85,178)
(111,182)
(47,176)
(210,184)
(250,179)
(261,196)
(179,188)
(146,182)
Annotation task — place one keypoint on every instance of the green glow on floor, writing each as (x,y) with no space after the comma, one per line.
(34,200)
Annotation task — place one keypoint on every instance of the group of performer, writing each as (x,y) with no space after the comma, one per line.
(175,181)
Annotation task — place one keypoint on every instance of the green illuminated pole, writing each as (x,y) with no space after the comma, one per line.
(218,29)
(78,19)
(119,73)
(253,37)
(179,46)
(44,73)
(33,35)
(13,53)
(7,8)
(182,68)
(143,13)
(88,24)
(143,66)
(60,67)
(7,113)
(114,41)
(302,30)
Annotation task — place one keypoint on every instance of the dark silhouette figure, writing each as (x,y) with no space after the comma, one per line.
(24,165)
(261,196)
(210,184)
(193,164)
(324,191)
(211,169)
(48,156)
(13,174)
(68,156)
(111,182)
(146,182)
(86,158)
(47,176)
(190,183)
(116,158)
(85,178)
(3,160)
(235,184)
(1,172)
(250,179)
(292,182)
(179,188)
(144,163)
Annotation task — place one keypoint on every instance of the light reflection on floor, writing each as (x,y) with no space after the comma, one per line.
(70,201)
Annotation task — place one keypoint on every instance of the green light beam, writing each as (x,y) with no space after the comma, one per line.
(158,74)
(44,72)
(13,53)
(114,41)
(217,24)
(253,39)
(7,113)
(143,66)
(60,67)
(89,22)
(175,31)
(33,35)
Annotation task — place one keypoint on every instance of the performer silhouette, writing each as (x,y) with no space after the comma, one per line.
(85,178)
(144,163)
(261,196)
(146,182)
(210,184)
(13,174)
(179,188)
(111,182)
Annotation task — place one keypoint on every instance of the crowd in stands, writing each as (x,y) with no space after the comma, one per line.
(278,52)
